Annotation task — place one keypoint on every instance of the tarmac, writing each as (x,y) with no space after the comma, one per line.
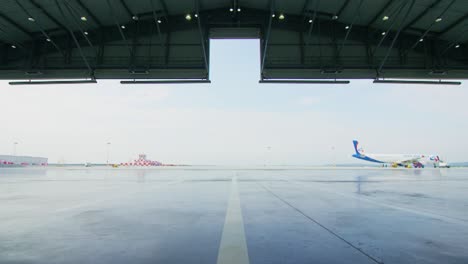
(233,215)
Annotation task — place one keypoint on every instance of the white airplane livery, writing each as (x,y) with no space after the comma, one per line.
(404,160)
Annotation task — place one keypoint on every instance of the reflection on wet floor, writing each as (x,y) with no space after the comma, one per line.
(233,215)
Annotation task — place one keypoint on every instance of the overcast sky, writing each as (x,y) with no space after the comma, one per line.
(233,121)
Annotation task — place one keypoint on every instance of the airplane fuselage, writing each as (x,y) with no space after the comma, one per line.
(390,158)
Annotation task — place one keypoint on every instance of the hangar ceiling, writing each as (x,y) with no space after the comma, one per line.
(168,39)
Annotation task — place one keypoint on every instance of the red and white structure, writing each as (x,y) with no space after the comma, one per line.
(142,161)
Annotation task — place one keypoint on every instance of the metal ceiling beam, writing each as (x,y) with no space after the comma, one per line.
(306,5)
(454,24)
(119,27)
(350,27)
(8,41)
(164,81)
(430,27)
(399,9)
(380,13)
(440,82)
(41,29)
(136,32)
(64,16)
(379,70)
(202,37)
(89,12)
(158,28)
(417,18)
(305,81)
(267,36)
(165,10)
(75,14)
(311,27)
(16,25)
(343,7)
(48,15)
(52,82)
(127,9)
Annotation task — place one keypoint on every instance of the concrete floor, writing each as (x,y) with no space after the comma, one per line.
(229,215)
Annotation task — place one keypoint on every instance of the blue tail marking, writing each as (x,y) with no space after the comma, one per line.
(356,143)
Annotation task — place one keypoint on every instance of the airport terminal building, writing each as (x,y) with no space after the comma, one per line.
(9,160)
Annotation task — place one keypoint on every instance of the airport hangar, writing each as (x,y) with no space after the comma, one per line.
(163,41)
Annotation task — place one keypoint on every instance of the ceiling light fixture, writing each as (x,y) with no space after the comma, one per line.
(159,21)
(48,40)
(188,17)
(421,40)
(135,17)
(86,33)
(238,9)
(385,18)
(83,18)
(231,9)
(281,17)
(273,15)
(310,21)
(122,27)
(13,46)
(335,17)
(196,15)
(457,46)
(438,20)
(347,27)
(384,33)
(31,19)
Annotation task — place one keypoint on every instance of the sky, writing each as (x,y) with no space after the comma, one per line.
(234,120)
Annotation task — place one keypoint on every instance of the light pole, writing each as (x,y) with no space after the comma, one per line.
(14,148)
(108,149)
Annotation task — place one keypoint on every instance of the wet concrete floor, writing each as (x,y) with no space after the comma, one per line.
(233,215)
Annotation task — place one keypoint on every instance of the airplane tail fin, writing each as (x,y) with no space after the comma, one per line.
(359,151)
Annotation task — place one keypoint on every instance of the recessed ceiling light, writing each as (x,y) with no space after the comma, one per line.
(135,17)
(385,18)
(457,46)
(347,27)
(335,17)
(122,26)
(31,19)
(231,9)
(438,19)
(159,21)
(310,21)
(273,15)
(281,17)
(48,40)
(196,15)
(86,33)
(421,40)
(188,17)
(83,18)
(13,46)
(384,33)
(238,9)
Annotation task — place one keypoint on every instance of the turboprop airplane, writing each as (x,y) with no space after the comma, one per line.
(403,160)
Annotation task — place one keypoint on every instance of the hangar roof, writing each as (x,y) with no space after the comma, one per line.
(300,39)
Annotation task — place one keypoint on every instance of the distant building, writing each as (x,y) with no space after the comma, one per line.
(18,161)
(142,161)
